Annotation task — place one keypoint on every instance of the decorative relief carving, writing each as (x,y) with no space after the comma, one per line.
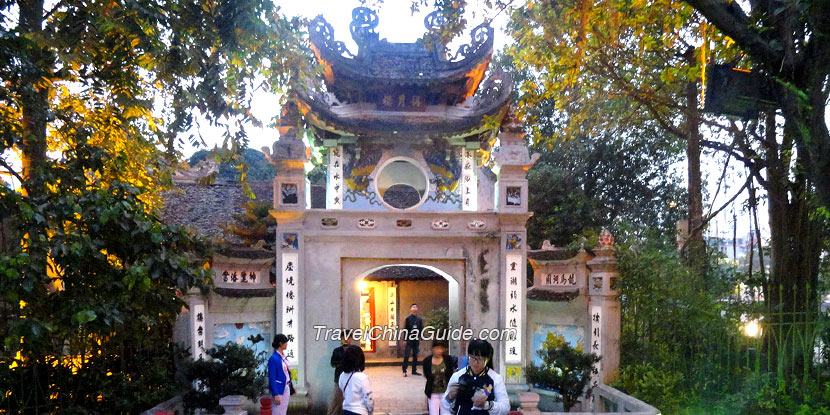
(441,224)
(514,241)
(366,223)
(476,224)
(403,223)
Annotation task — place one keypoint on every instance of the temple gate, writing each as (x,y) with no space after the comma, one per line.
(413,180)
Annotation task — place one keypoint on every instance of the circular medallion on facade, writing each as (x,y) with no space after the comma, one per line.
(402,184)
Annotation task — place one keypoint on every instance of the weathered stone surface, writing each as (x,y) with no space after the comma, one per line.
(205,208)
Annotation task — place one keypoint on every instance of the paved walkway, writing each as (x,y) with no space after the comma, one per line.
(395,394)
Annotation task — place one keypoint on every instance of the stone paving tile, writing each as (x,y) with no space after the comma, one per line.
(395,394)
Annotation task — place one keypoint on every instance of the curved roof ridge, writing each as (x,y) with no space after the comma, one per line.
(379,60)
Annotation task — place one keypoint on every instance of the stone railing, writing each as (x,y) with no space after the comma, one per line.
(606,400)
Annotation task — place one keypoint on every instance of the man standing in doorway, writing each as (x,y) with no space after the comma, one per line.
(413,325)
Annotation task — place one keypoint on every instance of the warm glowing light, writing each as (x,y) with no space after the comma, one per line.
(17,358)
(752,329)
(361,285)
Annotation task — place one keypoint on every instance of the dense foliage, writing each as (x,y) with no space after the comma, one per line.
(96,98)
(258,167)
(581,186)
(683,346)
(90,294)
(439,318)
(622,181)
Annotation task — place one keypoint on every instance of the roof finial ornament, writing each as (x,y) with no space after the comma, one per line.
(511,122)
(435,21)
(606,240)
(289,119)
(364,22)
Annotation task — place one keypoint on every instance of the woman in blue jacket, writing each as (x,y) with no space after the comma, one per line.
(279,376)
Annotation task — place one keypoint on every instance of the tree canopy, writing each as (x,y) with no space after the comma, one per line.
(788,43)
(90,292)
(258,168)
(135,77)
(96,99)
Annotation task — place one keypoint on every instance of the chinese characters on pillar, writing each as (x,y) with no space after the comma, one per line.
(290,303)
(596,342)
(513,307)
(469,188)
(392,300)
(334,193)
(199,332)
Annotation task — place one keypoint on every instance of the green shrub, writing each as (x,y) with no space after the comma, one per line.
(657,387)
(779,397)
(564,368)
(438,318)
(232,370)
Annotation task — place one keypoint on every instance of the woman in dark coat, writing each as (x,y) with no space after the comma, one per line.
(438,368)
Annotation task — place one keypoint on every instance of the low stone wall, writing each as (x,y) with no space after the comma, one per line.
(606,400)
(171,406)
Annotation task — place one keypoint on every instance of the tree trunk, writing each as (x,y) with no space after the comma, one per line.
(34,99)
(795,252)
(695,246)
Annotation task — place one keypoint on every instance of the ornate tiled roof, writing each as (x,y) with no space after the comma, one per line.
(325,113)
(206,207)
(244,293)
(247,254)
(380,62)
(403,272)
(555,254)
(415,89)
(541,294)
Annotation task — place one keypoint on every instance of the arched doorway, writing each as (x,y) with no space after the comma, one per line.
(380,295)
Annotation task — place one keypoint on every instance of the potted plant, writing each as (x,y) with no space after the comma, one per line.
(224,382)
(564,369)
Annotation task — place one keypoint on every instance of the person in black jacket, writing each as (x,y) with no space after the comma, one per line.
(337,356)
(438,369)
(477,389)
(413,325)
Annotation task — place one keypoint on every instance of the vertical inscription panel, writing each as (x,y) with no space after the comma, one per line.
(290,300)
(513,307)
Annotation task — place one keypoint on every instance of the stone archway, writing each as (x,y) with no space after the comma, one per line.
(354,270)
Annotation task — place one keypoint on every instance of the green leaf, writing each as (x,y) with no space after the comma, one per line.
(83,317)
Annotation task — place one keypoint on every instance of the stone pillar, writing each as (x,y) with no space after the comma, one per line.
(604,308)
(529,403)
(513,161)
(199,327)
(290,155)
